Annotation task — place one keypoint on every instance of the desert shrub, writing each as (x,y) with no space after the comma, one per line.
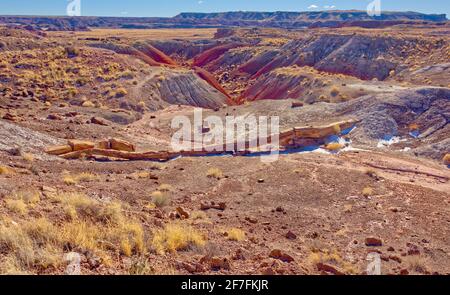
(28,157)
(71,179)
(4,170)
(367,191)
(17,206)
(176,237)
(235,234)
(160,199)
(71,51)
(121,92)
(215,173)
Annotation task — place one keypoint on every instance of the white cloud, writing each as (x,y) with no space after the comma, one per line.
(313,6)
(200,2)
(329,7)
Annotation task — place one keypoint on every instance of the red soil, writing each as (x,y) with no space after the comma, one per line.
(158,55)
(212,54)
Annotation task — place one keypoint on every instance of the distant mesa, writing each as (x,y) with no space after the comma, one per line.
(278,19)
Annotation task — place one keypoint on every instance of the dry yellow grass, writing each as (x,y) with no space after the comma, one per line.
(176,237)
(28,157)
(38,243)
(160,199)
(367,191)
(215,173)
(235,234)
(17,206)
(4,170)
(71,179)
(331,257)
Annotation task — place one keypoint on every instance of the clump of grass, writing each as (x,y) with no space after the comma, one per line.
(176,237)
(330,257)
(160,199)
(367,191)
(28,157)
(79,205)
(5,170)
(121,92)
(71,179)
(198,215)
(215,173)
(17,206)
(235,234)
(28,196)
(72,51)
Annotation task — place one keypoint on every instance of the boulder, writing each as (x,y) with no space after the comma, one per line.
(374,242)
(121,145)
(99,121)
(183,213)
(78,145)
(281,255)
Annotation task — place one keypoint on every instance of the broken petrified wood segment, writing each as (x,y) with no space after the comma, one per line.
(59,150)
(212,205)
(121,145)
(78,145)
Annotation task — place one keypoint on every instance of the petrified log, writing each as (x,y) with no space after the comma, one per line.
(121,145)
(78,145)
(59,150)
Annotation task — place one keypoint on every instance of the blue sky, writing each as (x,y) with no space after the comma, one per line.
(173,7)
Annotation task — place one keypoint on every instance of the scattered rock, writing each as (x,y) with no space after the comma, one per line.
(212,205)
(251,219)
(183,213)
(395,258)
(10,117)
(281,255)
(413,249)
(297,104)
(54,117)
(218,263)
(290,235)
(328,268)
(404,272)
(99,121)
(373,242)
